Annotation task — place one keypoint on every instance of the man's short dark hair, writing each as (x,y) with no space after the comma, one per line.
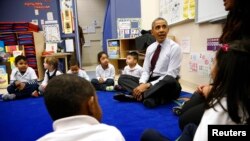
(65,94)
(157,19)
(134,54)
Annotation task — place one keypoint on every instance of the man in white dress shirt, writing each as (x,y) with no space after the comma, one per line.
(73,105)
(159,81)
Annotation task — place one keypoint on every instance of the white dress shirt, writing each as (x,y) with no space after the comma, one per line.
(46,78)
(212,117)
(82,128)
(136,71)
(168,63)
(108,73)
(28,76)
(81,73)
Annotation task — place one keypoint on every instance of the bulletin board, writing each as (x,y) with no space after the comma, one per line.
(176,11)
(210,10)
(128,27)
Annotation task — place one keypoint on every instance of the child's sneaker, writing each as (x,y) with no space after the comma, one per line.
(109,88)
(6,97)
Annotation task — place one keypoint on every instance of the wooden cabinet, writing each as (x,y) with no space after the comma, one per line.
(117,50)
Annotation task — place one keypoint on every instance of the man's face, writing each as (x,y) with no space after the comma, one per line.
(160,30)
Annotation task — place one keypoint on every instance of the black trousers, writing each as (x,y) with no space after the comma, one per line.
(102,86)
(166,89)
(26,92)
(192,111)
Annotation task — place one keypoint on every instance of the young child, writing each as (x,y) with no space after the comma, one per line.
(105,73)
(23,80)
(73,106)
(74,69)
(227,101)
(133,69)
(51,66)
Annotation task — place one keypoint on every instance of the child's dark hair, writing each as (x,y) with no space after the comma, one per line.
(232,80)
(134,54)
(99,55)
(20,57)
(73,62)
(65,95)
(237,23)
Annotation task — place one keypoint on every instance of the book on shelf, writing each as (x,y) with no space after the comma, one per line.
(2,47)
(113,49)
(11,48)
(3,77)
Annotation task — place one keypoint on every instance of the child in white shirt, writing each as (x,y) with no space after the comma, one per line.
(105,73)
(74,69)
(73,106)
(133,69)
(23,80)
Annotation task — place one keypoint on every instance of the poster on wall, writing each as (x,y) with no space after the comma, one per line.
(185,45)
(67,16)
(201,62)
(213,44)
(52,33)
(128,27)
(175,11)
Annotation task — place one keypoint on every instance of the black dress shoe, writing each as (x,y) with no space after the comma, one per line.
(124,97)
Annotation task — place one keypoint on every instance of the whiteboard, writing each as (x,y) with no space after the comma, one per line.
(210,10)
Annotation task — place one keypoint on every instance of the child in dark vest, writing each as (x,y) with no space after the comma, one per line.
(51,66)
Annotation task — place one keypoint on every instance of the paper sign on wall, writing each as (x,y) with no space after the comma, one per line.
(69,45)
(51,47)
(185,45)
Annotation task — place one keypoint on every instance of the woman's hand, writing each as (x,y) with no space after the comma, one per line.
(204,90)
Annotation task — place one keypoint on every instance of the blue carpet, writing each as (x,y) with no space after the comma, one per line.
(27,119)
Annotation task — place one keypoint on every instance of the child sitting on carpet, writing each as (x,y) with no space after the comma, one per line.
(23,80)
(132,70)
(73,105)
(51,66)
(74,69)
(227,101)
(105,73)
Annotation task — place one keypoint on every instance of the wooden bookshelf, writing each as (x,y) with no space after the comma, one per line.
(117,50)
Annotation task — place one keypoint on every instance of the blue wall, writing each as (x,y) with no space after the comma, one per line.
(107,34)
(16,11)
(118,9)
